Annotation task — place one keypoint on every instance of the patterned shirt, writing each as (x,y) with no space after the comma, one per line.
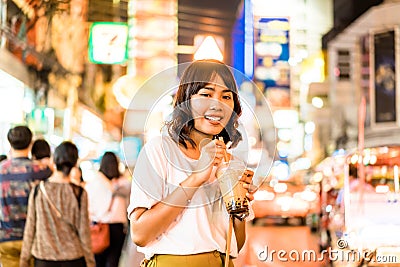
(17,176)
(48,237)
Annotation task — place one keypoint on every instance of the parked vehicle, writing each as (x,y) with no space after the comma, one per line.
(286,199)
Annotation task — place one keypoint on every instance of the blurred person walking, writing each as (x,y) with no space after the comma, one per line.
(41,151)
(17,176)
(108,200)
(57,227)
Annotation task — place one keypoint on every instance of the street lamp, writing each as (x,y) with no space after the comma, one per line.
(208,50)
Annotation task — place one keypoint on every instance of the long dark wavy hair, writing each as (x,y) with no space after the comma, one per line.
(197,75)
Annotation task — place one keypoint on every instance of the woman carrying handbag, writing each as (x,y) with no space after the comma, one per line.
(57,227)
(108,195)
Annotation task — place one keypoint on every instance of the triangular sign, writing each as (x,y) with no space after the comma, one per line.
(208,50)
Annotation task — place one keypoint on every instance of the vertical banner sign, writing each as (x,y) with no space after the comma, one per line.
(384,78)
(365,74)
(271,59)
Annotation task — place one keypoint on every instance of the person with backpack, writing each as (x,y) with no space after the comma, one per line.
(57,227)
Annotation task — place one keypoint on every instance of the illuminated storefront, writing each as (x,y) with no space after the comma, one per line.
(16,99)
(369,48)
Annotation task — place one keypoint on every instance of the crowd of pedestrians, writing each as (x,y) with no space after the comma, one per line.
(46,206)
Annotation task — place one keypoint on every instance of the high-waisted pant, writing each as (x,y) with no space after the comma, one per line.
(209,259)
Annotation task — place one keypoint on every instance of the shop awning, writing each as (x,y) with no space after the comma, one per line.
(13,66)
(380,17)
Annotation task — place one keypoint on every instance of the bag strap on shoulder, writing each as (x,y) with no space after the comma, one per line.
(54,208)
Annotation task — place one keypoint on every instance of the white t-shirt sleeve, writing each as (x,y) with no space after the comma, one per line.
(99,192)
(149,177)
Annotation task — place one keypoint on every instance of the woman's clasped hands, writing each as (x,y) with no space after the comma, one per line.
(211,154)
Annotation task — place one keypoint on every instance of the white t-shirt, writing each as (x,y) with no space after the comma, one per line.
(101,191)
(201,227)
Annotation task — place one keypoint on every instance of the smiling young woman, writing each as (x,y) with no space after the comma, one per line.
(212,107)
(176,209)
